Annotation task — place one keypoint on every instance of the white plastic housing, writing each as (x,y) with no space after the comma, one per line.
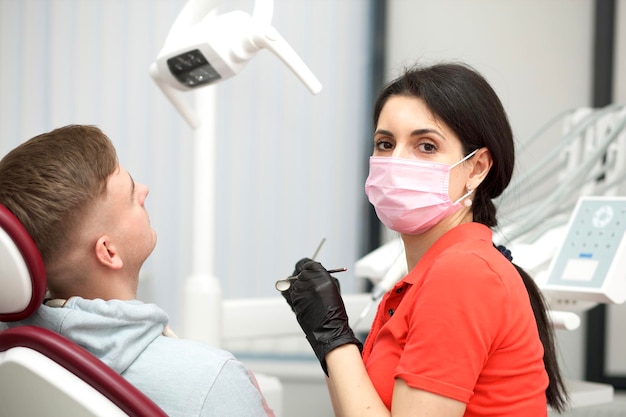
(203,51)
(52,389)
(590,264)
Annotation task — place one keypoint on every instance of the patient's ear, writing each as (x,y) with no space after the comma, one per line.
(107,254)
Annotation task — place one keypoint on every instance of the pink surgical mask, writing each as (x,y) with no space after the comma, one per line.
(411,196)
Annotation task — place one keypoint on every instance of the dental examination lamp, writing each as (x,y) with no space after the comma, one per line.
(203,48)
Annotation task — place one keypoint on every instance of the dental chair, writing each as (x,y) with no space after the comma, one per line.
(41,372)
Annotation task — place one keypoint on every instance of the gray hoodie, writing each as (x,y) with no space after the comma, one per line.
(185,378)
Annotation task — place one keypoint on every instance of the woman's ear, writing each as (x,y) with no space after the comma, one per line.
(107,254)
(482,164)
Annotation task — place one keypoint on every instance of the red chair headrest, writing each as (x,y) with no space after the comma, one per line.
(21,291)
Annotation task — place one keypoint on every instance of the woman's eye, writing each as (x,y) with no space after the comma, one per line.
(427,147)
(382,145)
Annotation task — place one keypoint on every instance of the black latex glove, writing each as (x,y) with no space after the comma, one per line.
(297,269)
(319,308)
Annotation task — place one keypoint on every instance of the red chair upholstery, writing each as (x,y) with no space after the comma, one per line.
(22,274)
(60,378)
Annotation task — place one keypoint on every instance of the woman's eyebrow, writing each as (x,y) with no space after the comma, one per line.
(383,132)
(418,132)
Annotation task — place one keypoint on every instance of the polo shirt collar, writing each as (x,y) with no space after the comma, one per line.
(462,233)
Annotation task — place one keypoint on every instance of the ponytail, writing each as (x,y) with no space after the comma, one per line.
(556,393)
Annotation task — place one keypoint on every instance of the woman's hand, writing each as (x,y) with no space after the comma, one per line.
(314,297)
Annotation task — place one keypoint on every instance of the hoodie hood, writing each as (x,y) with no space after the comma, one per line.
(115,331)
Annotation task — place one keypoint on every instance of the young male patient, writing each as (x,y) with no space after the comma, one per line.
(87,216)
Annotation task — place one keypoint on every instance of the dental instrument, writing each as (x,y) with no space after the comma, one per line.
(285,284)
(203,48)
(319,247)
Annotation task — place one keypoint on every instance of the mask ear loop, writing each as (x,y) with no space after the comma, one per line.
(469,155)
(468,201)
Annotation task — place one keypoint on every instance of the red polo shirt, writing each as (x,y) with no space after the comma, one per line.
(460,325)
